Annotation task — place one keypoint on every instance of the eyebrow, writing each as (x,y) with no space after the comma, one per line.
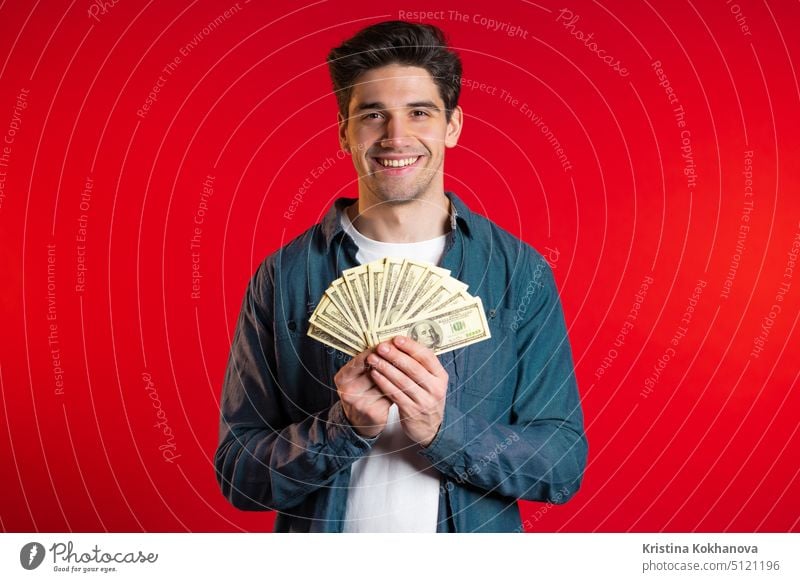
(379,105)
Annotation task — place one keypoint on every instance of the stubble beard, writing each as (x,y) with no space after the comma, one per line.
(399,193)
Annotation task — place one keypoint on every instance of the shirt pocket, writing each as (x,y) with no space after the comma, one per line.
(304,369)
(490,369)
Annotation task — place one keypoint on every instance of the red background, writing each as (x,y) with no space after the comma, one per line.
(712,447)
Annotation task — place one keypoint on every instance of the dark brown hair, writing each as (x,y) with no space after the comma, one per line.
(396,42)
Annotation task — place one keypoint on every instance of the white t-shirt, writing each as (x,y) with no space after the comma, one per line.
(393,488)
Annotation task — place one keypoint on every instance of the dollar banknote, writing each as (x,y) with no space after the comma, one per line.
(448,329)
(374,302)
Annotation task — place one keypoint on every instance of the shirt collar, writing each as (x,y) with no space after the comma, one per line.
(460,217)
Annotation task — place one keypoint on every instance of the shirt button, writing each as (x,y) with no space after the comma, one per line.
(291,325)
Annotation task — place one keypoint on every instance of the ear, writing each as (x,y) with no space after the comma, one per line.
(343,142)
(454,127)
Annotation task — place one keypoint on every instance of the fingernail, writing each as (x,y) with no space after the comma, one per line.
(372,359)
(400,340)
(383,348)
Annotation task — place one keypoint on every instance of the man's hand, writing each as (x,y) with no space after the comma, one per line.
(412,377)
(366,407)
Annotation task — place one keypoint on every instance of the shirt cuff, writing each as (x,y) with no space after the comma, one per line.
(343,437)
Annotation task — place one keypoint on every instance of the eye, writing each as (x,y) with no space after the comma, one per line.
(419,113)
(373,115)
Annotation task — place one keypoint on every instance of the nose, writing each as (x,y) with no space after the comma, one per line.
(396,133)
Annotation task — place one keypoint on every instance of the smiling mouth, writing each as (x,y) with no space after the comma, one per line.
(397,162)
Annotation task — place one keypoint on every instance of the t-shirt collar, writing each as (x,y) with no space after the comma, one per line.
(460,217)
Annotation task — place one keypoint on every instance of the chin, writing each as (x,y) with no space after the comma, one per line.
(399,194)
(398,200)
(395,196)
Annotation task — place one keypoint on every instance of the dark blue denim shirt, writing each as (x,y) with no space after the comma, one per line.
(512,427)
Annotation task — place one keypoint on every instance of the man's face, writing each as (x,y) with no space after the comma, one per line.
(426,335)
(397,133)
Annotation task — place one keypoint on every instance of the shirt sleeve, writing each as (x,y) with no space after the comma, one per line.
(541,454)
(264,461)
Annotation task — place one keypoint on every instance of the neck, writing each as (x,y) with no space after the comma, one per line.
(401,222)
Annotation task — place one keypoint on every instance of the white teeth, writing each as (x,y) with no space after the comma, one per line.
(397,163)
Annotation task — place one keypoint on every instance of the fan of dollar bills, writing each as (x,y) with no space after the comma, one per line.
(377,301)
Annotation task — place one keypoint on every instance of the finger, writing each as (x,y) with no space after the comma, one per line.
(402,361)
(357,366)
(371,395)
(390,390)
(401,381)
(376,396)
(360,385)
(421,354)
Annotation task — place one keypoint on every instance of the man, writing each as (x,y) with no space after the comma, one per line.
(398,439)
